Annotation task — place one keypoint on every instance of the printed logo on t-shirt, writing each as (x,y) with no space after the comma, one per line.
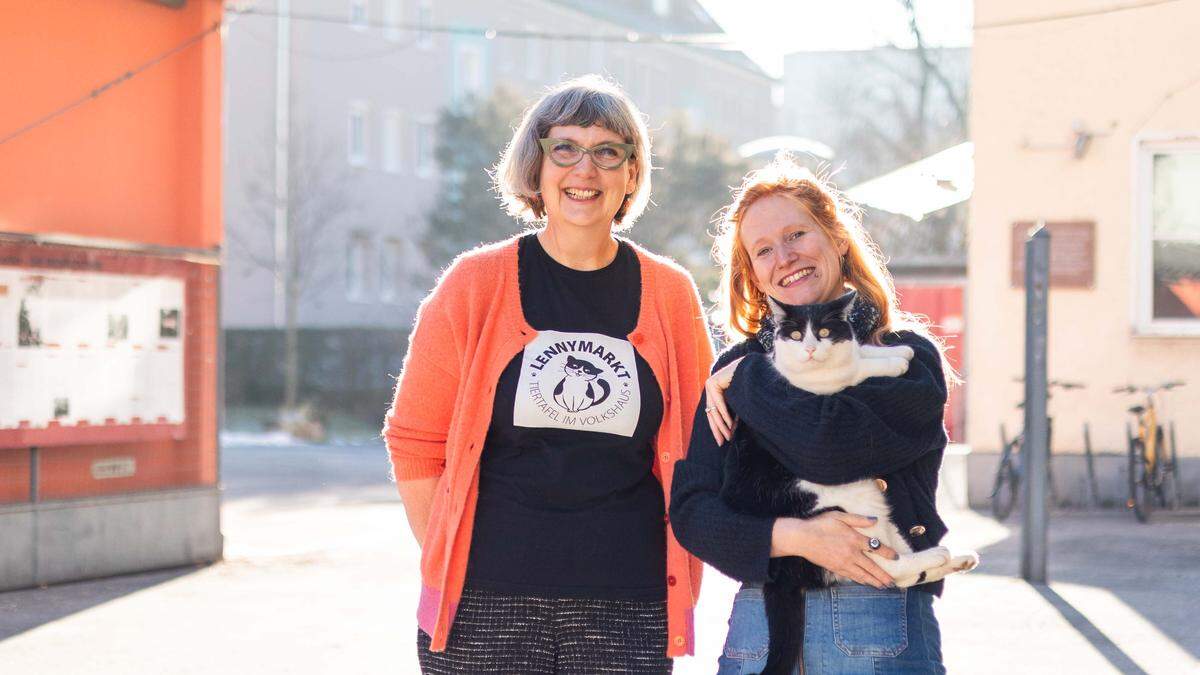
(580,381)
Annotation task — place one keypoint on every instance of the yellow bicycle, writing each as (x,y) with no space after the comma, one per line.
(1153,469)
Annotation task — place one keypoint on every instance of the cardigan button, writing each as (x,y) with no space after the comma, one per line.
(881,484)
(916,530)
(671,581)
(666,456)
(679,640)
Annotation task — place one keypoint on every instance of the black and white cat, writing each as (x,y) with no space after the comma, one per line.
(816,349)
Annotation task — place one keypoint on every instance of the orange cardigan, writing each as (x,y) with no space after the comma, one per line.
(466,332)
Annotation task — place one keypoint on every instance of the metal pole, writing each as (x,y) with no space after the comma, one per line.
(34,479)
(1037,448)
(1093,487)
(34,498)
(283,82)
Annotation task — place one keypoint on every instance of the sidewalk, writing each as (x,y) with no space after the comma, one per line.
(320,576)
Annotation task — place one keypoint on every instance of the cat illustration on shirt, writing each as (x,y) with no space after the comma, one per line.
(581,388)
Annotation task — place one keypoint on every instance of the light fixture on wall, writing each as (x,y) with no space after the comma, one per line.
(1081,139)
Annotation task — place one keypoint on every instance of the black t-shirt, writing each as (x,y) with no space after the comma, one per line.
(568,505)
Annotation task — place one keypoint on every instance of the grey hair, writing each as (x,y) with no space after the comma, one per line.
(582,101)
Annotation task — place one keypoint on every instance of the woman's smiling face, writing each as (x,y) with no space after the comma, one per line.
(584,194)
(794,261)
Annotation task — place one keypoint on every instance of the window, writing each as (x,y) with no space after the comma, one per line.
(560,66)
(595,56)
(1169,238)
(620,70)
(393,16)
(356,128)
(393,147)
(358,14)
(468,70)
(356,265)
(641,79)
(533,56)
(391,262)
(426,137)
(425,20)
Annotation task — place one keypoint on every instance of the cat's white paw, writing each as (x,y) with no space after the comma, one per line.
(905,351)
(940,551)
(964,562)
(897,366)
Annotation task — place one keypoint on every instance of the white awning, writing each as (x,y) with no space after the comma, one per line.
(925,186)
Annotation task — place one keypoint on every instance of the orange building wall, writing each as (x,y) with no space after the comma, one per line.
(140,162)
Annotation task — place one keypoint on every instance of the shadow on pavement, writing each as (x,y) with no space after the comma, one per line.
(22,611)
(278,471)
(1119,659)
(1150,568)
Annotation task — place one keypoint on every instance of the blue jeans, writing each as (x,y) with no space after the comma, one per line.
(849,629)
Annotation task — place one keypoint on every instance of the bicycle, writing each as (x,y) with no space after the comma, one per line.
(1151,466)
(1008,474)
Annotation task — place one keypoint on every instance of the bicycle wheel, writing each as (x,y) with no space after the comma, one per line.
(1175,499)
(1161,474)
(1004,492)
(1139,482)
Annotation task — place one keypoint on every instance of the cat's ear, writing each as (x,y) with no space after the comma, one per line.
(843,304)
(777,312)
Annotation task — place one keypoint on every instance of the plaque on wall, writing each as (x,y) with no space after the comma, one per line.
(1072,253)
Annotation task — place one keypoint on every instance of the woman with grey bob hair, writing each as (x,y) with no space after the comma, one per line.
(547,392)
(584,101)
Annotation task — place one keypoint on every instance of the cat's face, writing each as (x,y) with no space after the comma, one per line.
(813,332)
(580,368)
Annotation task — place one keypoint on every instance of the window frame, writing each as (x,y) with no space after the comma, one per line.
(354,22)
(424,21)
(463,51)
(1145,148)
(393,17)
(425,169)
(363,110)
(390,286)
(392,141)
(361,291)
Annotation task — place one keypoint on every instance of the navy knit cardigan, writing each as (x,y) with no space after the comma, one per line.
(883,427)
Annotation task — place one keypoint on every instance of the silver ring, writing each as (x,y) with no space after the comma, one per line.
(710,409)
(873,543)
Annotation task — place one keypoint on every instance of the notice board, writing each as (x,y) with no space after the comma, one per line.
(93,345)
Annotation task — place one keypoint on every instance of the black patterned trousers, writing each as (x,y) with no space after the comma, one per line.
(495,633)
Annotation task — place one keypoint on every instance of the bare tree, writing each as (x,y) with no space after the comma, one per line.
(318,195)
(888,107)
(696,174)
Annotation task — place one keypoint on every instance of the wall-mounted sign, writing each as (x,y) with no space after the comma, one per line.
(1072,253)
(114,467)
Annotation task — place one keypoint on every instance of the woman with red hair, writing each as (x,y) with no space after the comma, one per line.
(789,236)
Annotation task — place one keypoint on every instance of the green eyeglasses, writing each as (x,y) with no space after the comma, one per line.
(564,153)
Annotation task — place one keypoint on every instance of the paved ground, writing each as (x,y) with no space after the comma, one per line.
(320,577)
